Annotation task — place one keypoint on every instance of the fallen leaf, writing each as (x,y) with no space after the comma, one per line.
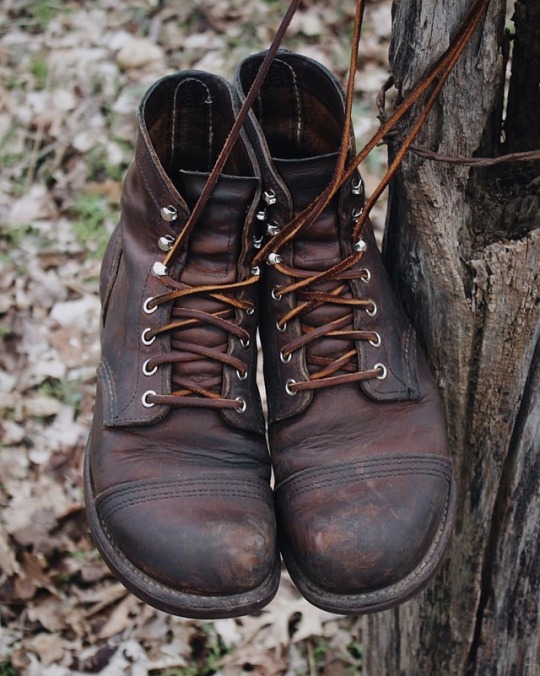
(138,52)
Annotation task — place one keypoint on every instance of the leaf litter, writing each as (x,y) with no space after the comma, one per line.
(71,77)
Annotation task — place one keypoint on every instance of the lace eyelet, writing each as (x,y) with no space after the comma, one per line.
(269,197)
(149,310)
(356,187)
(281,329)
(145,340)
(146,371)
(356,213)
(285,359)
(245,343)
(169,213)
(367,276)
(373,311)
(144,399)
(165,243)
(288,384)
(250,311)
(274,295)
(273,259)
(377,342)
(243,406)
(383,369)
(240,376)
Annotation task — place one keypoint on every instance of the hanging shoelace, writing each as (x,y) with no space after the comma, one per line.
(308,287)
(312,289)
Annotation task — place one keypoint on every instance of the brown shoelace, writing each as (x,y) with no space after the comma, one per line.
(183,318)
(308,285)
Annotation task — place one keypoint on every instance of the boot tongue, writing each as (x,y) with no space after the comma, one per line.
(317,248)
(214,249)
(215,243)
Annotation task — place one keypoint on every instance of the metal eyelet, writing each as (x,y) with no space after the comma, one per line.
(373,311)
(159,270)
(149,310)
(367,276)
(146,371)
(285,359)
(272,229)
(377,342)
(261,215)
(240,376)
(274,295)
(356,213)
(169,213)
(383,369)
(245,343)
(166,242)
(250,311)
(144,399)
(243,407)
(257,242)
(356,188)
(145,340)
(256,271)
(273,259)
(281,329)
(269,197)
(288,384)
(360,246)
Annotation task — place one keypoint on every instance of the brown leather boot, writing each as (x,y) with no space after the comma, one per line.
(177,469)
(364,489)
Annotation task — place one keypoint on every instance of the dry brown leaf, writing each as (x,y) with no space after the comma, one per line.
(50,613)
(48,647)
(8,563)
(138,52)
(119,619)
(102,597)
(31,578)
(261,662)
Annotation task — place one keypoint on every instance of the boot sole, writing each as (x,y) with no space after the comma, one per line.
(165,598)
(387,597)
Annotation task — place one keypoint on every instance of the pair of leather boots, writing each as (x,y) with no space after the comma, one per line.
(177,472)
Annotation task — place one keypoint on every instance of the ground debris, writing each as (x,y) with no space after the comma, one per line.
(71,78)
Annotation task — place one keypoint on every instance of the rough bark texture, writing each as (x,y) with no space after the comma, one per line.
(464,248)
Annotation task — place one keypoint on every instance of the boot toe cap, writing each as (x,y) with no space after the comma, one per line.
(355,535)
(198,540)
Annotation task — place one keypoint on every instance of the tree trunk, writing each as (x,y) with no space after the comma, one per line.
(463,245)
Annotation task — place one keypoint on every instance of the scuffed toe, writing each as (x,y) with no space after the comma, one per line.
(361,532)
(193,538)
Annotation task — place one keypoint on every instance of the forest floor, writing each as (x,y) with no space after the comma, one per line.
(71,77)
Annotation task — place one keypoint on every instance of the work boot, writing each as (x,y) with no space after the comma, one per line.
(177,472)
(364,486)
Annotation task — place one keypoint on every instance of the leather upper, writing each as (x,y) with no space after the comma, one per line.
(182,492)
(363,475)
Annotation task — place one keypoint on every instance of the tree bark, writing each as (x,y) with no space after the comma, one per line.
(463,246)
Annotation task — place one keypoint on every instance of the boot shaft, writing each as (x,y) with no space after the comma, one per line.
(298,160)
(184,120)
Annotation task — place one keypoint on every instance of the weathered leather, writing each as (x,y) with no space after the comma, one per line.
(364,488)
(179,499)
